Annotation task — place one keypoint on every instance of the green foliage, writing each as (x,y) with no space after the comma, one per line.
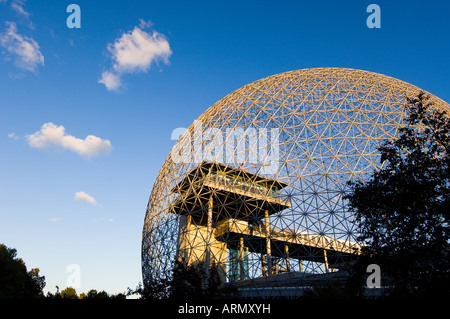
(94,294)
(191,282)
(69,293)
(403,210)
(34,284)
(15,281)
(187,282)
(18,283)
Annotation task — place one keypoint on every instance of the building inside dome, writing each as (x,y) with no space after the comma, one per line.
(255,185)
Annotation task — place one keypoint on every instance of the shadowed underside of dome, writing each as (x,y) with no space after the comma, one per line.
(255,184)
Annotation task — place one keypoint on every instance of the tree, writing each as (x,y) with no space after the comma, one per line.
(187,282)
(192,282)
(153,289)
(94,294)
(69,293)
(403,209)
(15,281)
(18,283)
(34,284)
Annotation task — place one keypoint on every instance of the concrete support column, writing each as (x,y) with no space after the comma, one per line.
(268,245)
(263,265)
(288,264)
(186,240)
(326,260)
(241,258)
(208,242)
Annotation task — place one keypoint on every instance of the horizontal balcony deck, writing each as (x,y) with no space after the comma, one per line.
(302,245)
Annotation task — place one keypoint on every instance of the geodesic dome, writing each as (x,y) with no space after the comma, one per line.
(309,130)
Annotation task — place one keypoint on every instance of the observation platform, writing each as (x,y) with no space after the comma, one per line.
(234,193)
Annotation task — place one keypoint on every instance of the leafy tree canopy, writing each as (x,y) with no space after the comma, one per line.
(403,209)
(15,281)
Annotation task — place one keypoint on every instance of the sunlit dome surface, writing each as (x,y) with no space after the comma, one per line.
(312,129)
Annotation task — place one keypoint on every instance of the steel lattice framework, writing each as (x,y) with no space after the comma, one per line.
(311,130)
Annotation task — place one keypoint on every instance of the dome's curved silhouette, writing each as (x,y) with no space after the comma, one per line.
(300,135)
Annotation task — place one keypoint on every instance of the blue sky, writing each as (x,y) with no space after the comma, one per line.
(66,198)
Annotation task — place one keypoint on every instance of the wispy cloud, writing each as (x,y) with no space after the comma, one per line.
(13,136)
(24,50)
(133,52)
(19,7)
(85,198)
(54,135)
(54,220)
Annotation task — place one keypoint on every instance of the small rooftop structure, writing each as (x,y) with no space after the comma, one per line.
(235,193)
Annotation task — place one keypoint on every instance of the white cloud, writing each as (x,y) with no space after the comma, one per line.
(18,6)
(24,49)
(54,220)
(13,136)
(135,51)
(85,197)
(110,80)
(53,135)
(145,24)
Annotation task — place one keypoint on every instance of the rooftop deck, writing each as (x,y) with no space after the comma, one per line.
(235,194)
